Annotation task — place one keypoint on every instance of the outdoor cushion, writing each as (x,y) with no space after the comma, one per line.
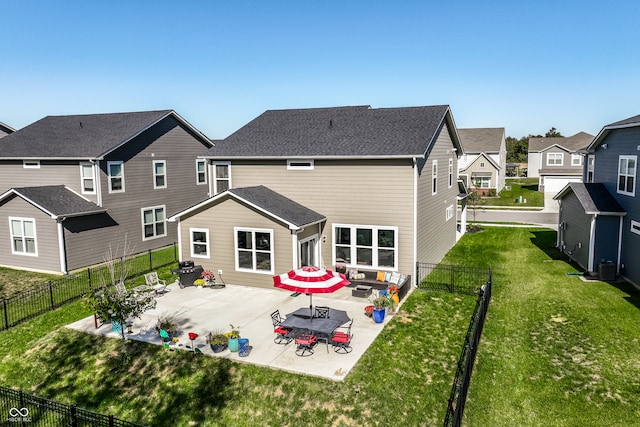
(380,276)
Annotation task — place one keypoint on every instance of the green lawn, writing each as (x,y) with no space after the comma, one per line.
(555,351)
(527,188)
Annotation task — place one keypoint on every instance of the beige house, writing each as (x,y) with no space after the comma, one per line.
(482,166)
(375,189)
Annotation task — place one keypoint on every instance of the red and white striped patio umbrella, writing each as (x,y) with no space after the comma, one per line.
(310,280)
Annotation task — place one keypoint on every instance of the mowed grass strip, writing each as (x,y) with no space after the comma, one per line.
(555,351)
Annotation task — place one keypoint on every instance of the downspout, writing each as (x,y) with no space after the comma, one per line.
(96,174)
(180,240)
(61,246)
(619,260)
(415,216)
(592,242)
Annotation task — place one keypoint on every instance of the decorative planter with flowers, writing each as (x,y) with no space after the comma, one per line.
(393,294)
(218,342)
(208,278)
(233,337)
(341,267)
(380,305)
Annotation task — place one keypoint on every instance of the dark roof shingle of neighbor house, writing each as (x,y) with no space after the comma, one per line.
(629,121)
(572,143)
(77,136)
(58,200)
(359,131)
(278,205)
(479,140)
(594,198)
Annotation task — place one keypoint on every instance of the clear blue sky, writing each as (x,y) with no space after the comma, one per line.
(522,65)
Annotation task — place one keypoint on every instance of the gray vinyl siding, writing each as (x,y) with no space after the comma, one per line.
(51,172)
(630,250)
(355,192)
(220,220)
(169,141)
(606,248)
(48,259)
(533,164)
(475,167)
(574,240)
(435,235)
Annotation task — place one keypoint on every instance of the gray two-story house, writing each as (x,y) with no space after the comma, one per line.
(556,161)
(373,188)
(73,186)
(600,218)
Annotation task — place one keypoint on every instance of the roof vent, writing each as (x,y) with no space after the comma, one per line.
(330,123)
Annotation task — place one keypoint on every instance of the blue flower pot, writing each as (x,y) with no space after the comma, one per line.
(378,315)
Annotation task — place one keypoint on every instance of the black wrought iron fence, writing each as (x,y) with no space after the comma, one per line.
(40,299)
(460,387)
(23,409)
(450,278)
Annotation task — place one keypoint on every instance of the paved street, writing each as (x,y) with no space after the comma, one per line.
(547,217)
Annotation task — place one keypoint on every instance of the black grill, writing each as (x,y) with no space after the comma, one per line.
(188,273)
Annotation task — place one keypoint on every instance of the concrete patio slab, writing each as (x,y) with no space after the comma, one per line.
(249,308)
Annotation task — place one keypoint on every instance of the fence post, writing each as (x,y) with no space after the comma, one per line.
(51,294)
(150,261)
(74,416)
(112,421)
(6,313)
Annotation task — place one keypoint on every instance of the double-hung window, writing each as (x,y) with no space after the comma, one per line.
(201,172)
(153,222)
(450,173)
(366,245)
(627,175)
(591,164)
(434,177)
(576,159)
(159,174)
(554,159)
(87,178)
(23,236)
(115,172)
(221,177)
(199,242)
(254,250)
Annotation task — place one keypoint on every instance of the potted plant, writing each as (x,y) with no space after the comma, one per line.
(207,277)
(233,337)
(380,303)
(168,325)
(341,267)
(218,341)
(393,294)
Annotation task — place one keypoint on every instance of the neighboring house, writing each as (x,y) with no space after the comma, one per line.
(71,187)
(600,219)
(373,188)
(483,164)
(556,161)
(5,130)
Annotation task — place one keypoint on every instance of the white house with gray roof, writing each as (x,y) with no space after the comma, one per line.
(72,186)
(374,188)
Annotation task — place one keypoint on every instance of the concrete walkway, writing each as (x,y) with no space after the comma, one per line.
(206,310)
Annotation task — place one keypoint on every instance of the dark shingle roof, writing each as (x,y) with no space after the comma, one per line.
(594,198)
(278,205)
(58,200)
(572,143)
(629,121)
(337,132)
(77,136)
(478,140)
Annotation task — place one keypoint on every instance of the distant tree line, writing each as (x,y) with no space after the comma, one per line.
(517,149)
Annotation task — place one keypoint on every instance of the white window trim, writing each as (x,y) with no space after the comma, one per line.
(374,248)
(35,235)
(549,155)
(82,177)
(434,178)
(449,212)
(157,162)
(450,173)
(31,164)
(635,227)
(109,176)
(204,162)
(191,242)
(215,178)
(591,167)
(316,252)
(153,209)
(576,159)
(253,250)
(635,173)
(300,165)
